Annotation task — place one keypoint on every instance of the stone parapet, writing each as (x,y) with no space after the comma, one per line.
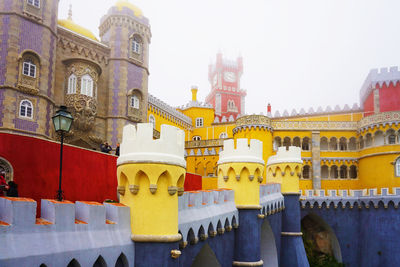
(206,213)
(271,199)
(350,198)
(62,232)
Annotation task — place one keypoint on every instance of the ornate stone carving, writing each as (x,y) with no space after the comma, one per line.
(28,84)
(84,110)
(204,143)
(314,125)
(379,119)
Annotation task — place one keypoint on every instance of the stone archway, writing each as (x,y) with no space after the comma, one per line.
(206,257)
(320,240)
(269,253)
(7,169)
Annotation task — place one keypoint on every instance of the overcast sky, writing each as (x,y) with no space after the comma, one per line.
(296,54)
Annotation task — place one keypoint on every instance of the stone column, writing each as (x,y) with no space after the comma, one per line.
(316,160)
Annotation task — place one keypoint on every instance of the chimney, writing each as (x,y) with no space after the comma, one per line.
(194,92)
(269,110)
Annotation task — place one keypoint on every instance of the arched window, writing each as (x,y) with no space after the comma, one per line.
(35,3)
(26,109)
(137,44)
(306,144)
(72,84)
(199,122)
(134,102)
(196,138)
(87,85)
(277,142)
(353,172)
(368,140)
(342,144)
(324,171)
(334,172)
(306,172)
(286,142)
(333,143)
(391,137)
(343,171)
(152,120)
(223,135)
(29,67)
(324,143)
(397,165)
(352,143)
(296,141)
(379,138)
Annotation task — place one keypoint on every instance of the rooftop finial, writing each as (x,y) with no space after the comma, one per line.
(70,12)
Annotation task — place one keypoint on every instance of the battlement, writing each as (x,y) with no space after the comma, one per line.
(64,230)
(138,145)
(378,77)
(243,152)
(271,198)
(292,155)
(345,198)
(207,212)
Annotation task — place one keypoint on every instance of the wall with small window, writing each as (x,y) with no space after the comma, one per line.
(199,122)
(134,103)
(136,47)
(29,72)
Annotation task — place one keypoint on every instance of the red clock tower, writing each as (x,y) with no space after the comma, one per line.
(226,96)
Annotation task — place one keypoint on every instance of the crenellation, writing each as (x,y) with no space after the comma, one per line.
(243,152)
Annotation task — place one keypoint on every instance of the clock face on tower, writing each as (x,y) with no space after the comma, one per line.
(229,76)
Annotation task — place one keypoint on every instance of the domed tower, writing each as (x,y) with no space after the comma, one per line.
(28,31)
(127,32)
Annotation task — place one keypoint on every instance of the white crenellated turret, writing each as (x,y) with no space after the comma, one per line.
(242,152)
(292,155)
(138,145)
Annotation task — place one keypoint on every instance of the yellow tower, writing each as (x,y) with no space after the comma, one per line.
(150,178)
(285,168)
(241,169)
(255,127)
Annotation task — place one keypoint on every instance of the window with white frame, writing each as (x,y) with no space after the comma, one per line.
(223,135)
(29,68)
(26,109)
(392,139)
(136,44)
(199,122)
(152,120)
(87,85)
(134,102)
(196,138)
(397,166)
(35,3)
(72,84)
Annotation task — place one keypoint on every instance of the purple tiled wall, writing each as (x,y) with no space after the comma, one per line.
(3,49)
(25,125)
(135,77)
(31,35)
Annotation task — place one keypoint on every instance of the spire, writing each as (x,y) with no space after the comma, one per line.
(70,12)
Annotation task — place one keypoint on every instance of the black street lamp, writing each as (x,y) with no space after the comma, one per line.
(62,124)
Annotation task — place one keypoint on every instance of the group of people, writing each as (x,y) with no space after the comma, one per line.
(10,189)
(106,148)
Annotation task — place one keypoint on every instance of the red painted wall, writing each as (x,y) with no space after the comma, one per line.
(369,105)
(192,182)
(389,97)
(87,175)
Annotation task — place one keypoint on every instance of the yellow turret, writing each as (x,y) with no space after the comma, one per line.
(150,178)
(285,168)
(241,169)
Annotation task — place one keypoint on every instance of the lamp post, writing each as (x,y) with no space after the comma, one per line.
(62,124)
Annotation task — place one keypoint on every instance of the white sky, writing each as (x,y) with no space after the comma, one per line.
(296,53)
